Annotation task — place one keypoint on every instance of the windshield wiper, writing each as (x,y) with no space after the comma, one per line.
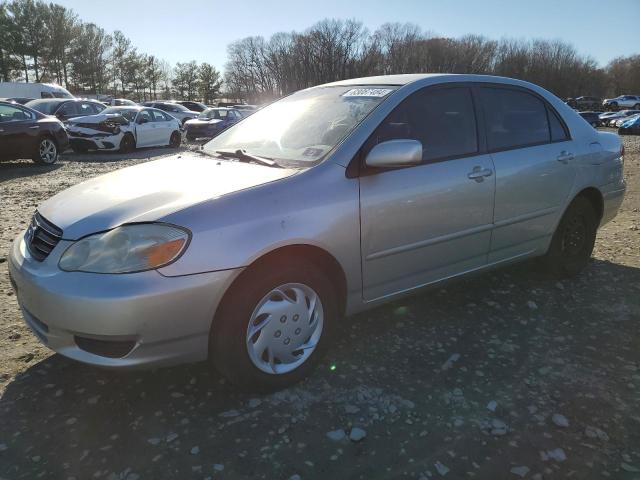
(243,156)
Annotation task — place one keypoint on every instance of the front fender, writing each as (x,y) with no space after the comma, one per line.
(318,207)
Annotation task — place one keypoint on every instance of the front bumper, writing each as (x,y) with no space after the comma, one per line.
(144,319)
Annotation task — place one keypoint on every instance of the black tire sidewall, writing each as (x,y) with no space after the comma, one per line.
(127,147)
(175,144)
(556,259)
(227,343)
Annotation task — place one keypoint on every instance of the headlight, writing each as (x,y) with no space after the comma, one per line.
(126,249)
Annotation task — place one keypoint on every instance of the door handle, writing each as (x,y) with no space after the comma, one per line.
(564,157)
(1,129)
(34,127)
(479,173)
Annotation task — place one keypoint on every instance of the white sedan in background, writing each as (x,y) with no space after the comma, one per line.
(124,128)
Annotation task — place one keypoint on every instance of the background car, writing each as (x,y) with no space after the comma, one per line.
(118,102)
(33,90)
(124,128)
(27,133)
(65,109)
(618,123)
(611,120)
(622,101)
(211,122)
(191,105)
(585,103)
(592,118)
(630,126)
(176,110)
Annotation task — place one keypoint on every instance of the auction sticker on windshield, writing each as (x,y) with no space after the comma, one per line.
(367,92)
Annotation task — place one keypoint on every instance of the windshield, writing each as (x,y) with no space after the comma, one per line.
(213,113)
(128,113)
(182,108)
(302,127)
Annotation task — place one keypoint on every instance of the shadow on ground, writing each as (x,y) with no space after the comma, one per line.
(416,375)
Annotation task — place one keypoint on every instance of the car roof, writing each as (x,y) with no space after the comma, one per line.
(130,107)
(430,78)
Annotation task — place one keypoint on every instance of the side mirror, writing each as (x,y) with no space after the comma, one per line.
(142,120)
(395,153)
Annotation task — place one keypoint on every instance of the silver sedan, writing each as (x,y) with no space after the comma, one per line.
(328,202)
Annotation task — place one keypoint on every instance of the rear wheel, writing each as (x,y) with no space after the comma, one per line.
(573,240)
(46,152)
(274,325)
(127,144)
(175,140)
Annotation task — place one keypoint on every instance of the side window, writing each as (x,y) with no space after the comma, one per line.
(146,115)
(443,120)
(86,109)
(558,132)
(513,118)
(69,108)
(13,114)
(97,107)
(158,116)
(45,95)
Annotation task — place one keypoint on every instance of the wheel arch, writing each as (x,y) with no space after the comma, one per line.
(316,255)
(595,198)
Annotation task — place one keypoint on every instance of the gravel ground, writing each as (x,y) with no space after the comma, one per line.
(507,375)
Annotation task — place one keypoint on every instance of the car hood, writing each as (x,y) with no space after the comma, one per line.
(197,121)
(150,191)
(99,118)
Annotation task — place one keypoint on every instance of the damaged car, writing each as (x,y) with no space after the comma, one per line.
(125,129)
(211,122)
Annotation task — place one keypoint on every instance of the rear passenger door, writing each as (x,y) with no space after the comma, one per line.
(534,160)
(431,221)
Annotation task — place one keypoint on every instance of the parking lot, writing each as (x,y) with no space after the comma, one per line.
(507,375)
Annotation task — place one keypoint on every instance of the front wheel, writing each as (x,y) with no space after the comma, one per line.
(175,140)
(573,240)
(127,144)
(274,325)
(47,152)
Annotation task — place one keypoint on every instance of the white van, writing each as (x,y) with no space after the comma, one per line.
(32,90)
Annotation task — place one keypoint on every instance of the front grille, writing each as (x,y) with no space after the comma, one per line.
(41,237)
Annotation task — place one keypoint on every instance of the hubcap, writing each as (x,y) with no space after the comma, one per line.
(574,237)
(48,151)
(285,328)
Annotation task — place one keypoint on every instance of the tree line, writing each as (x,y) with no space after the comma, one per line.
(260,68)
(42,42)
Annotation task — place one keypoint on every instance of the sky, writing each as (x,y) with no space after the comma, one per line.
(200,30)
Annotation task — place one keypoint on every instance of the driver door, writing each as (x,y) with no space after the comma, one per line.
(144,128)
(431,221)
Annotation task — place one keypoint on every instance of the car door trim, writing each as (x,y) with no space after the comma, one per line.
(526,216)
(429,242)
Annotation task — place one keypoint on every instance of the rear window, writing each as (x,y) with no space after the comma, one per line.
(513,118)
(44,106)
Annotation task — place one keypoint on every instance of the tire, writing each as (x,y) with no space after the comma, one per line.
(46,152)
(237,356)
(175,140)
(573,240)
(127,144)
